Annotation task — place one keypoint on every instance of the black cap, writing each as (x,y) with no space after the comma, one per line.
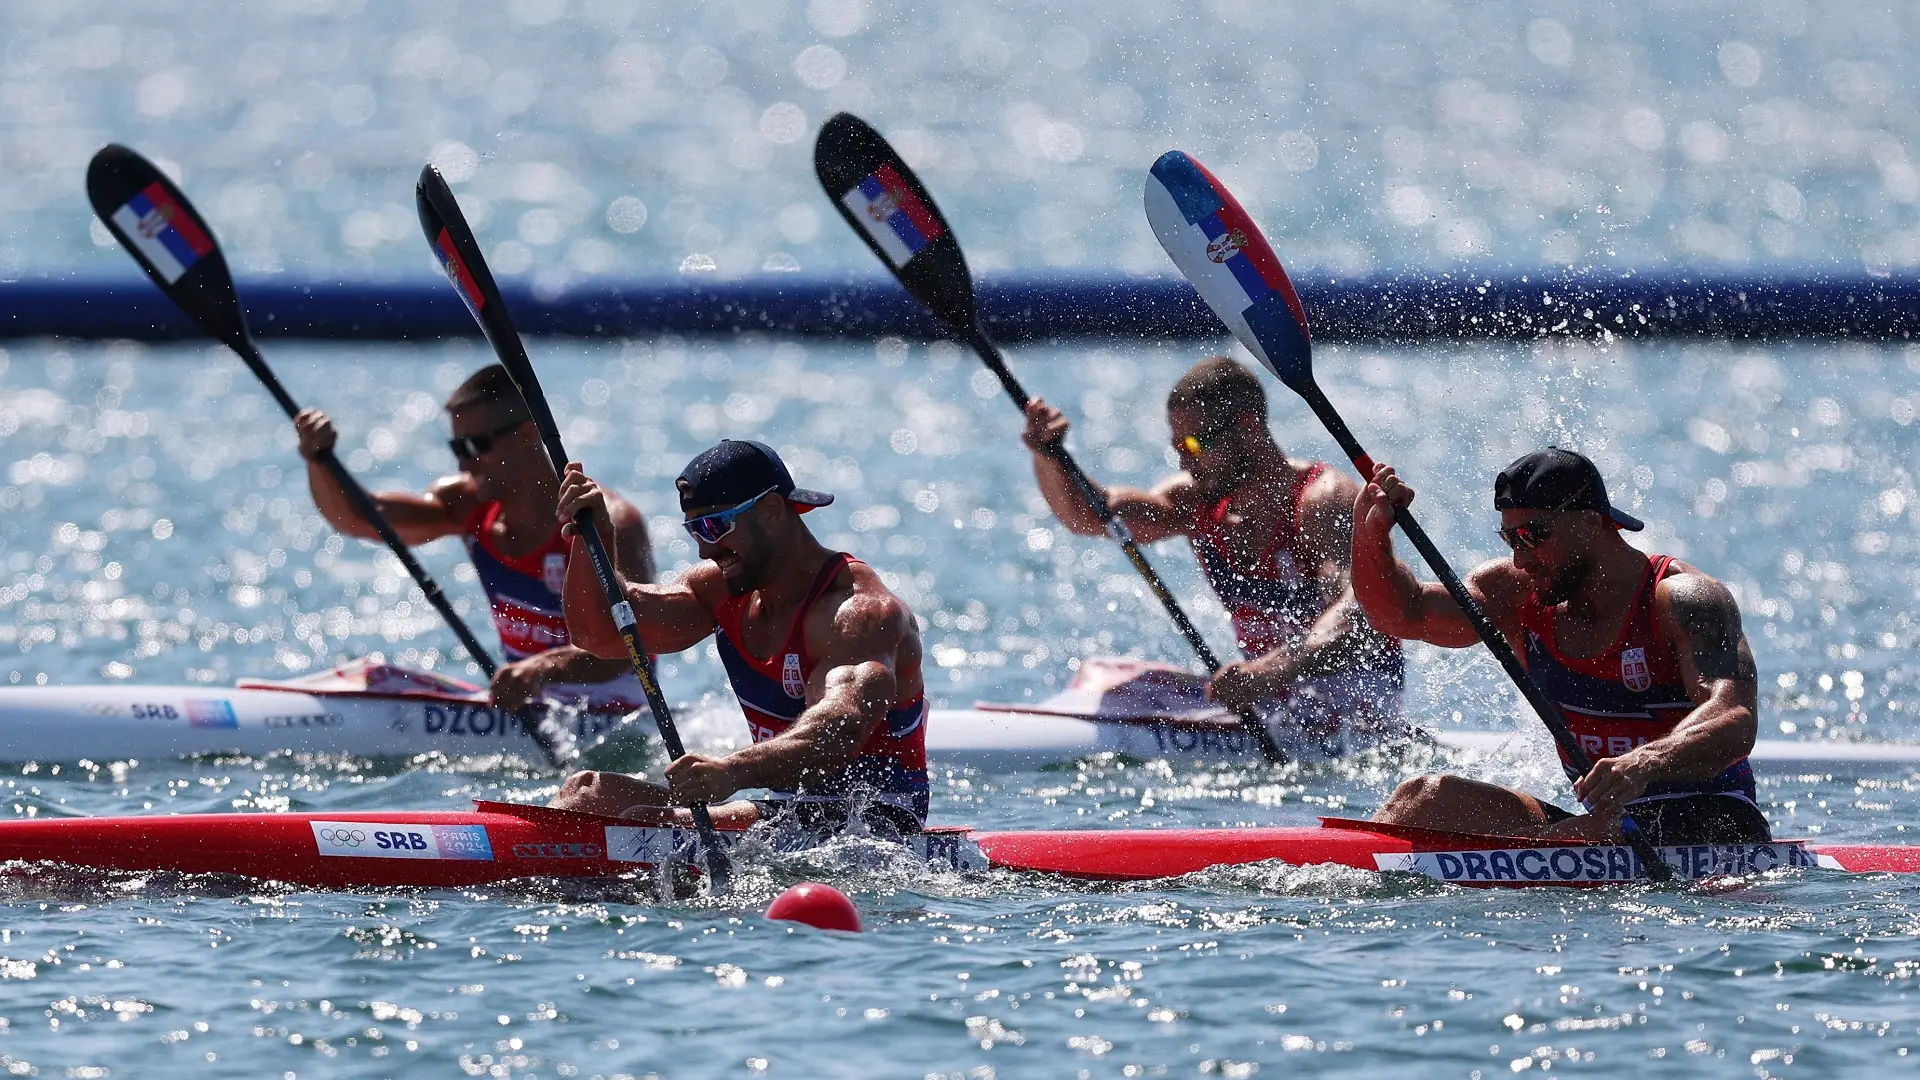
(1557,479)
(736,470)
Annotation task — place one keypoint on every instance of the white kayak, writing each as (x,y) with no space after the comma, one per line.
(380,710)
(362,708)
(1146,710)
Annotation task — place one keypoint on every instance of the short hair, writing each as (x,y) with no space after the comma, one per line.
(1222,387)
(490,387)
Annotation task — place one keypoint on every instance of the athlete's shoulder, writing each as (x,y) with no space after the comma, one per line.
(1500,582)
(457,494)
(860,604)
(1688,594)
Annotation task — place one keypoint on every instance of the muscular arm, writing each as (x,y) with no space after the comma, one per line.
(442,511)
(632,548)
(1701,618)
(852,687)
(1341,631)
(669,617)
(1401,605)
(1149,515)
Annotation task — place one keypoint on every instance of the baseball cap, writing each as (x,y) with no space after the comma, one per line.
(736,470)
(1557,479)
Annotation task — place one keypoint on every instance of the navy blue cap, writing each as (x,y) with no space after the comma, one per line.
(1557,479)
(736,470)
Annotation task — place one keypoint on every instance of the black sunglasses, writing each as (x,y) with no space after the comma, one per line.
(468,447)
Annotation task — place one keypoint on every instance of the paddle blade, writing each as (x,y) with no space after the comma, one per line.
(153,220)
(451,239)
(1221,251)
(889,208)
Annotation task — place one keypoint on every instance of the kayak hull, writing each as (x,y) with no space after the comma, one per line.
(998,739)
(117,723)
(497,842)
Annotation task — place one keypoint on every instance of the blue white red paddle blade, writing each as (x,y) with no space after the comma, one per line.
(1221,251)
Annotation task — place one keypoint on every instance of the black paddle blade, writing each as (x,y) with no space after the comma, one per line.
(451,239)
(890,209)
(153,220)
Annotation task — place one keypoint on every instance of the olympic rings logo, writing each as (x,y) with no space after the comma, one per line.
(344,837)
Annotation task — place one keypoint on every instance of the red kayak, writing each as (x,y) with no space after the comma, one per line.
(497,842)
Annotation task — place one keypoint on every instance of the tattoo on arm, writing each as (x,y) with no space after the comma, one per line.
(1706,610)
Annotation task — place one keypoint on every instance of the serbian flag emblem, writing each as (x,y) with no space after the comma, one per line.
(165,235)
(899,223)
(1220,250)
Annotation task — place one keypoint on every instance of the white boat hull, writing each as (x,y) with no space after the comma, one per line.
(115,723)
(993,740)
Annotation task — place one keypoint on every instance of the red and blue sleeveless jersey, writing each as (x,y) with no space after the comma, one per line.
(1631,693)
(523,591)
(891,765)
(1275,599)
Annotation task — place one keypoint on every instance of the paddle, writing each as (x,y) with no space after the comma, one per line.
(1231,265)
(153,220)
(889,208)
(453,244)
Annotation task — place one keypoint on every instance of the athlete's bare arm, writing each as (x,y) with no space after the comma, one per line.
(442,511)
(1399,604)
(1165,511)
(858,636)
(1700,616)
(1341,632)
(670,617)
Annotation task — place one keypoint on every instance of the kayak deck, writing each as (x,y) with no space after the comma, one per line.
(498,842)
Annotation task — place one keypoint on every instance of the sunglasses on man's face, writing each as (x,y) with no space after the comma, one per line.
(711,528)
(469,447)
(1198,445)
(1528,534)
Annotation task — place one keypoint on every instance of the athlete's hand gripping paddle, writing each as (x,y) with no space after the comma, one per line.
(153,220)
(1220,250)
(889,208)
(453,244)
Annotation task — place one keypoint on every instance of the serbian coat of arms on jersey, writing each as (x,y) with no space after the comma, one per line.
(1634,670)
(553,571)
(790,679)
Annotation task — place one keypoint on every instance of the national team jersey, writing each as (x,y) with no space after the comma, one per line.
(524,590)
(1631,693)
(1274,600)
(892,763)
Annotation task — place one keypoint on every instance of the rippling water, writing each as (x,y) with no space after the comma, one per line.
(154,525)
(604,136)
(156,529)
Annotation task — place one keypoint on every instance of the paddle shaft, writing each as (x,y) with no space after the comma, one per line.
(1096,499)
(363,505)
(1495,641)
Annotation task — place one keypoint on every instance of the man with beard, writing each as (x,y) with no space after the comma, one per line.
(1272,537)
(1643,653)
(500,504)
(825,661)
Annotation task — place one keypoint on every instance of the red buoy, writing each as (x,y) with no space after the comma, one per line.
(817,905)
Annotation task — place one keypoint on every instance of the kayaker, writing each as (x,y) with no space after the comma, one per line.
(1272,537)
(500,504)
(824,659)
(1643,653)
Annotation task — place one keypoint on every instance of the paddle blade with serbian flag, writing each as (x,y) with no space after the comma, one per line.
(160,228)
(887,205)
(1221,251)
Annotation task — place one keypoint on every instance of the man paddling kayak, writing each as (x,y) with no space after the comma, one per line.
(500,504)
(825,661)
(1644,655)
(1271,535)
